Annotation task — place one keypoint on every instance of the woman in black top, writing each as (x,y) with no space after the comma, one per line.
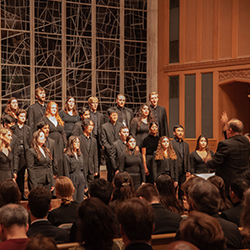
(131,162)
(69,115)
(199,157)
(140,124)
(73,167)
(149,145)
(11,108)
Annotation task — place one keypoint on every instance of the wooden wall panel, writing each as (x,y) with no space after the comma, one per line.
(225,29)
(207,30)
(190,31)
(244,22)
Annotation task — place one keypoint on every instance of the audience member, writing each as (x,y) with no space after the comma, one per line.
(96,226)
(66,213)
(41,242)
(167,194)
(203,231)
(136,220)
(13,227)
(39,204)
(236,192)
(165,220)
(204,197)
(9,192)
(219,183)
(181,245)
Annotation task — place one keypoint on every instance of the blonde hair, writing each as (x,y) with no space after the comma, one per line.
(3,132)
(92,99)
(64,189)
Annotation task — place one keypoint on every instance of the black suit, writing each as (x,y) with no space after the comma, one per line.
(110,133)
(90,157)
(231,159)
(77,129)
(233,214)
(165,220)
(161,119)
(35,113)
(50,144)
(45,228)
(118,147)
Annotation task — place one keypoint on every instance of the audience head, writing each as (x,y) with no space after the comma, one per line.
(124,186)
(235,126)
(245,214)
(101,189)
(237,189)
(39,202)
(181,245)
(41,242)
(204,197)
(148,192)
(12,215)
(96,224)
(9,192)
(64,189)
(190,182)
(136,219)
(203,231)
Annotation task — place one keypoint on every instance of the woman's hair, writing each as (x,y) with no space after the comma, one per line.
(9,192)
(219,183)
(127,150)
(66,108)
(245,219)
(96,225)
(41,242)
(203,231)
(167,195)
(64,189)
(70,147)
(198,144)
(123,187)
(154,123)
(139,116)
(3,132)
(34,145)
(57,116)
(160,151)
(8,109)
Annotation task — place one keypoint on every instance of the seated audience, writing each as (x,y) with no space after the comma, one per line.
(39,204)
(9,192)
(167,194)
(236,192)
(123,189)
(13,227)
(41,242)
(219,183)
(203,231)
(66,213)
(245,219)
(181,245)
(136,220)
(96,226)
(204,197)
(165,220)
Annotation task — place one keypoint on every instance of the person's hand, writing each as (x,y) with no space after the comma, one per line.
(116,172)
(95,174)
(52,188)
(224,120)
(54,176)
(15,176)
(175,184)
(146,172)
(137,149)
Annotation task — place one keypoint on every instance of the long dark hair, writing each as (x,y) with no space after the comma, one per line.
(127,150)
(70,148)
(66,108)
(8,109)
(198,145)
(165,186)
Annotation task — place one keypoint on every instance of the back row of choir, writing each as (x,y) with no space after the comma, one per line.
(50,143)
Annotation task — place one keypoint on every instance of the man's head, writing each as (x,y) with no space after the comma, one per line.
(237,189)
(178,132)
(93,103)
(8,121)
(124,133)
(12,215)
(112,114)
(148,192)
(21,116)
(40,94)
(101,189)
(234,127)
(84,113)
(43,126)
(120,100)
(204,197)
(136,219)
(88,125)
(39,202)
(153,98)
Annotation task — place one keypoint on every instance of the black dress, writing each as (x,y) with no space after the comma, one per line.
(133,164)
(69,121)
(74,169)
(58,135)
(139,133)
(197,163)
(5,166)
